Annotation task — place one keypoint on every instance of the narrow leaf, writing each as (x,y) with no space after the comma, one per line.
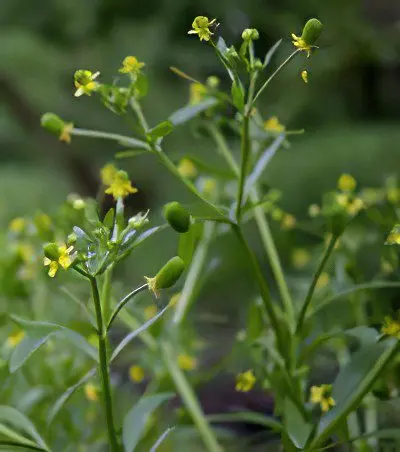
(160,130)
(189,112)
(297,428)
(247,417)
(135,420)
(237,95)
(271,53)
(161,438)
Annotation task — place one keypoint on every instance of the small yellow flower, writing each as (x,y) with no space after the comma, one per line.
(14,339)
(323,280)
(394,236)
(186,362)
(347,183)
(391,327)
(187,168)
(131,65)
(245,381)
(108,173)
(150,311)
(304,76)
(314,210)
(43,221)
(64,260)
(136,374)
(65,134)
(322,395)
(174,299)
(17,225)
(201,27)
(300,258)
(91,392)
(197,93)
(301,44)
(121,186)
(273,125)
(84,81)
(288,221)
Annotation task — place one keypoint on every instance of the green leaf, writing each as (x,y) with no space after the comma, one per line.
(160,130)
(66,395)
(271,53)
(247,417)
(135,420)
(210,169)
(254,322)
(142,86)
(238,95)
(130,153)
(19,421)
(297,428)
(187,243)
(37,334)
(109,219)
(363,334)
(353,382)
(187,113)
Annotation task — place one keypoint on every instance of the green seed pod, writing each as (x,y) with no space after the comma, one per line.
(51,251)
(177,216)
(52,123)
(167,276)
(312,31)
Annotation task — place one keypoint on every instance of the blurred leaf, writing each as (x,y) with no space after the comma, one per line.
(221,46)
(255,322)
(189,112)
(353,382)
(297,428)
(135,420)
(271,53)
(65,396)
(142,86)
(187,243)
(161,439)
(19,421)
(208,168)
(363,334)
(237,95)
(131,153)
(247,417)
(160,130)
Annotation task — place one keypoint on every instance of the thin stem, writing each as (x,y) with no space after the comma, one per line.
(106,293)
(123,302)
(137,108)
(127,141)
(195,270)
(263,227)
(245,152)
(272,76)
(190,400)
(314,281)
(104,368)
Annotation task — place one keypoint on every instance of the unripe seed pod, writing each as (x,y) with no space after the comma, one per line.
(52,123)
(250,34)
(312,31)
(51,251)
(167,276)
(177,216)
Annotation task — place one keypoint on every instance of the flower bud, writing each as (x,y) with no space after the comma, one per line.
(177,216)
(167,275)
(250,34)
(72,238)
(52,123)
(311,31)
(51,251)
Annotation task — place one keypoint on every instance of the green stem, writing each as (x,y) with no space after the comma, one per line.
(317,274)
(263,227)
(106,293)
(195,270)
(104,368)
(272,76)
(245,152)
(126,141)
(137,108)
(189,399)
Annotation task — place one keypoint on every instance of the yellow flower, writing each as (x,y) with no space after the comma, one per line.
(391,327)
(108,173)
(14,339)
(304,76)
(288,221)
(131,65)
(323,280)
(301,44)
(121,186)
(17,225)
(245,381)
(174,299)
(186,168)
(186,362)
(350,204)
(300,257)
(201,27)
(84,81)
(197,93)
(136,374)
(91,392)
(322,395)
(394,236)
(273,125)
(314,210)
(63,260)
(150,311)
(347,183)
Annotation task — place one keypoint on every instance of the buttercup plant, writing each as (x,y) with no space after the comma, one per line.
(283,336)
